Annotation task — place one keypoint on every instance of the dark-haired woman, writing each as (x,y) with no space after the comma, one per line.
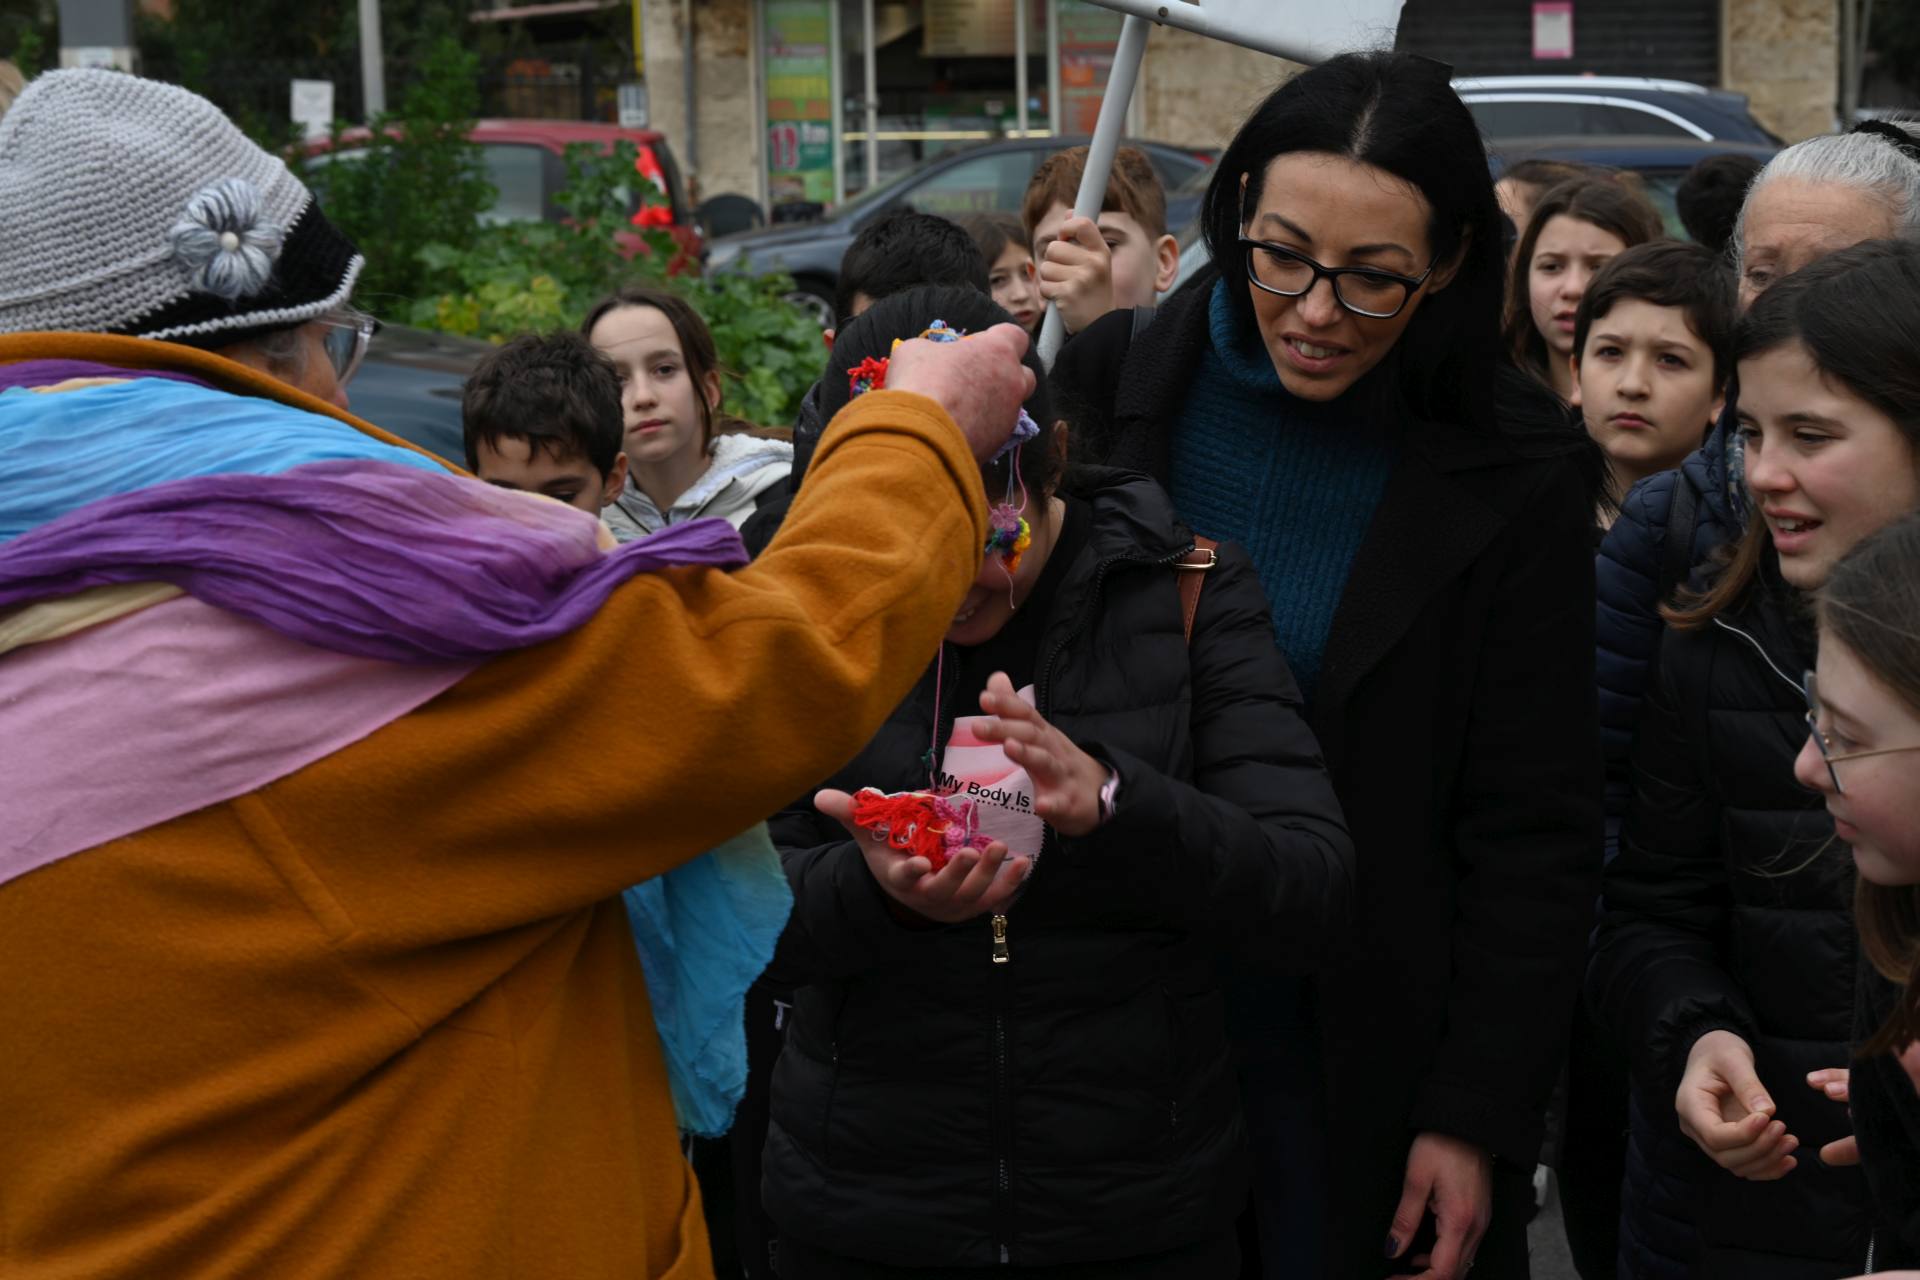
(1333,397)
(1725,960)
(1018,1065)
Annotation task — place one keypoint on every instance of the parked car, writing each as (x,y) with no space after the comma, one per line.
(410,383)
(526,161)
(990,178)
(1660,163)
(1508,107)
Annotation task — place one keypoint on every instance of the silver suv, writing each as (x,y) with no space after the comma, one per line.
(1509,107)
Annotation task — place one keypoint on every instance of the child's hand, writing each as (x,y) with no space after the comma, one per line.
(1077,273)
(1725,1109)
(1066,780)
(1834,1082)
(975,882)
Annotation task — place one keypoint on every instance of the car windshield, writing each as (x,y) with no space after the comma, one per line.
(879,195)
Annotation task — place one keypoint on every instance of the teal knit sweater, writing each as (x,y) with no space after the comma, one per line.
(1294,481)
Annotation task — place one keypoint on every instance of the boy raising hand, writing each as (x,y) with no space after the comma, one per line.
(1126,260)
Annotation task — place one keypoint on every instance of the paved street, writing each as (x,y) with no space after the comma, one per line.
(1548,1243)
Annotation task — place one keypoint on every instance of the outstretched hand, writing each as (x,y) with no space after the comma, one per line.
(1727,1112)
(975,882)
(1835,1083)
(981,382)
(1066,780)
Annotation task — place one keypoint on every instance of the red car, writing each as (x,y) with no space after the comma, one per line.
(526,161)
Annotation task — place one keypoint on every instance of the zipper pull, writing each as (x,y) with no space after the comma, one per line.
(1000,955)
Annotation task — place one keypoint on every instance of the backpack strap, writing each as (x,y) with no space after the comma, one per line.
(1142,317)
(1192,569)
(1676,553)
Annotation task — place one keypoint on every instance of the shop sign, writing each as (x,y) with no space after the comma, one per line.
(1088,35)
(979,28)
(799,78)
(1553,29)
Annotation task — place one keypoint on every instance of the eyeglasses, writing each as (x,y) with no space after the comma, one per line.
(348,335)
(1827,753)
(1365,291)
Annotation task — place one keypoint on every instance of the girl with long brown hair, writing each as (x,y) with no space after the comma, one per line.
(1577,228)
(686,458)
(1725,956)
(1863,756)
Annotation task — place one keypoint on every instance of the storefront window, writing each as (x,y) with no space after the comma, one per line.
(945,77)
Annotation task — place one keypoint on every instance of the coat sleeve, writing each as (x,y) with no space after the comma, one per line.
(1627,629)
(1084,379)
(1526,834)
(1656,976)
(1254,849)
(692,705)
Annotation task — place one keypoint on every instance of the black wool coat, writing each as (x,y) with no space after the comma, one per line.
(1456,709)
(1075,1103)
(1728,907)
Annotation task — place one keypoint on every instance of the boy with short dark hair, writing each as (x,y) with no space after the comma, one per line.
(897,251)
(901,250)
(1653,347)
(543,414)
(1127,259)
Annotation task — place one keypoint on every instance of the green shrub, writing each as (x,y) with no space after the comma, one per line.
(516,277)
(415,182)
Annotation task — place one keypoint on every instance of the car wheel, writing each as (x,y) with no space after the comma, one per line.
(813,298)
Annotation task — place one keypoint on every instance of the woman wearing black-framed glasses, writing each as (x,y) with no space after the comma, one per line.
(1333,395)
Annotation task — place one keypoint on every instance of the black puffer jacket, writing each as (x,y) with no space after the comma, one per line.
(1076,1103)
(1727,908)
(1886,1118)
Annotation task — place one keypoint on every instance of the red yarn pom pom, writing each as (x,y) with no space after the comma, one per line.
(918,823)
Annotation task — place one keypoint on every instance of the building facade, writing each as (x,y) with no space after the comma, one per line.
(806,102)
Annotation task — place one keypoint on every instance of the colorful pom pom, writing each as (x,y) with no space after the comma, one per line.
(919,823)
(869,375)
(1024,429)
(939,332)
(1009,535)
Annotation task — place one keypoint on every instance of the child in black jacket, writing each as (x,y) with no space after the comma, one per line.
(1019,1062)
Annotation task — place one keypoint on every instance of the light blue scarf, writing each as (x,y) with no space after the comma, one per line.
(704,931)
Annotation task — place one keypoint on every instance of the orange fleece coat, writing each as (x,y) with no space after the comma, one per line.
(383,1018)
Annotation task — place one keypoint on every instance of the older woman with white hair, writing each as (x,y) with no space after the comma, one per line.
(1812,199)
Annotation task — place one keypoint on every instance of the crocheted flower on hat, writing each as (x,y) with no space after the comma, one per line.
(226,241)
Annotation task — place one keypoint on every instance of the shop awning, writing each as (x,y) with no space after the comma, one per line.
(559,9)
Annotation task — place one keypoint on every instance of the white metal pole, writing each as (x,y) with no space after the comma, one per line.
(1127,55)
(836,85)
(873,94)
(1053,67)
(1020,19)
(373,62)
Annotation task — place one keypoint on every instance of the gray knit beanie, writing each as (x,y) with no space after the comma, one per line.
(134,207)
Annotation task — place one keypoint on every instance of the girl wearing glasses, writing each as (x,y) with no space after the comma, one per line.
(1864,707)
(1725,959)
(1333,395)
